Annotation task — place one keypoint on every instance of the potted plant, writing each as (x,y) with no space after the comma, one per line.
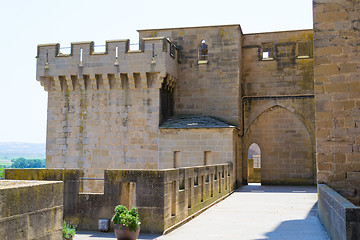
(68,231)
(126,223)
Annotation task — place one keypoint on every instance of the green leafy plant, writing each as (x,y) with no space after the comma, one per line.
(1,172)
(126,218)
(68,231)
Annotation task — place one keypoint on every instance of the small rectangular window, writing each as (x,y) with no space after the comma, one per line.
(304,49)
(267,51)
(203,53)
(265,55)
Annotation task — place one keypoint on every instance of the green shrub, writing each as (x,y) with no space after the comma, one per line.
(1,172)
(68,231)
(126,218)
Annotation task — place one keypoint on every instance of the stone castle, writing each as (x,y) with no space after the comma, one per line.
(189,97)
(196,112)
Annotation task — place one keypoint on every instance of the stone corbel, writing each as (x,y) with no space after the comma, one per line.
(81,83)
(106,81)
(57,83)
(160,79)
(117,78)
(131,81)
(45,83)
(143,80)
(93,82)
(69,83)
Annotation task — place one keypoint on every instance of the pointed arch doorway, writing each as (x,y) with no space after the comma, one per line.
(254,164)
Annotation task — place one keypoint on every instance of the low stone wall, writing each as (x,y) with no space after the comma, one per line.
(163,197)
(340,217)
(31,210)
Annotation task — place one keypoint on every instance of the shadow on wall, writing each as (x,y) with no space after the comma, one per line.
(308,228)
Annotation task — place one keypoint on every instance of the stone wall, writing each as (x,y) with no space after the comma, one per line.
(277,105)
(103,129)
(104,109)
(163,197)
(337,95)
(31,210)
(196,147)
(210,88)
(285,71)
(286,148)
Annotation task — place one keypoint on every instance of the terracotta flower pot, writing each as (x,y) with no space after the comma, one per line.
(124,233)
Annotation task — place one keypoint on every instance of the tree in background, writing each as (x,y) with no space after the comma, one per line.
(28,163)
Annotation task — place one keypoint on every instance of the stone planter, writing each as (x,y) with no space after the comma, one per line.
(124,233)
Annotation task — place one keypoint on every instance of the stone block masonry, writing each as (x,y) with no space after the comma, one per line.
(163,197)
(337,95)
(196,147)
(104,109)
(277,105)
(31,210)
(109,110)
(212,87)
(340,217)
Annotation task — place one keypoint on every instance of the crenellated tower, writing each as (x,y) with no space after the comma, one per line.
(104,108)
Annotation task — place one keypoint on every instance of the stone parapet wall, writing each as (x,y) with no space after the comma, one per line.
(337,95)
(163,197)
(156,55)
(340,217)
(31,210)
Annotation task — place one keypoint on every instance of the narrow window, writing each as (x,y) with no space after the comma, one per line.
(81,55)
(212,184)
(203,52)
(189,193)
(173,199)
(81,58)
(202,188)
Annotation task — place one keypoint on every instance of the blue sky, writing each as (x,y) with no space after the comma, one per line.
(24,24)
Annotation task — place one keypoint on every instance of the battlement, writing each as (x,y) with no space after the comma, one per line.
(156,55)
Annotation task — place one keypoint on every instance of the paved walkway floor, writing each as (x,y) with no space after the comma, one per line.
(253,212)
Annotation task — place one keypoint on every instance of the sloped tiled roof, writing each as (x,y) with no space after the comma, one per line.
(194,121)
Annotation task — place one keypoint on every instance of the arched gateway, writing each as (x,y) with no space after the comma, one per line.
(287,156)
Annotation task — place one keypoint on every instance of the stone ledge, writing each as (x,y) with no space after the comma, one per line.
(340,217)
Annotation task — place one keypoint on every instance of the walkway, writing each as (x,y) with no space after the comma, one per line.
(252,212)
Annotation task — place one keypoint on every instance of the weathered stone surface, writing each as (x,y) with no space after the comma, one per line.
(340,217)
(337,109)
(164,197)
(31,209)
(105,109)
